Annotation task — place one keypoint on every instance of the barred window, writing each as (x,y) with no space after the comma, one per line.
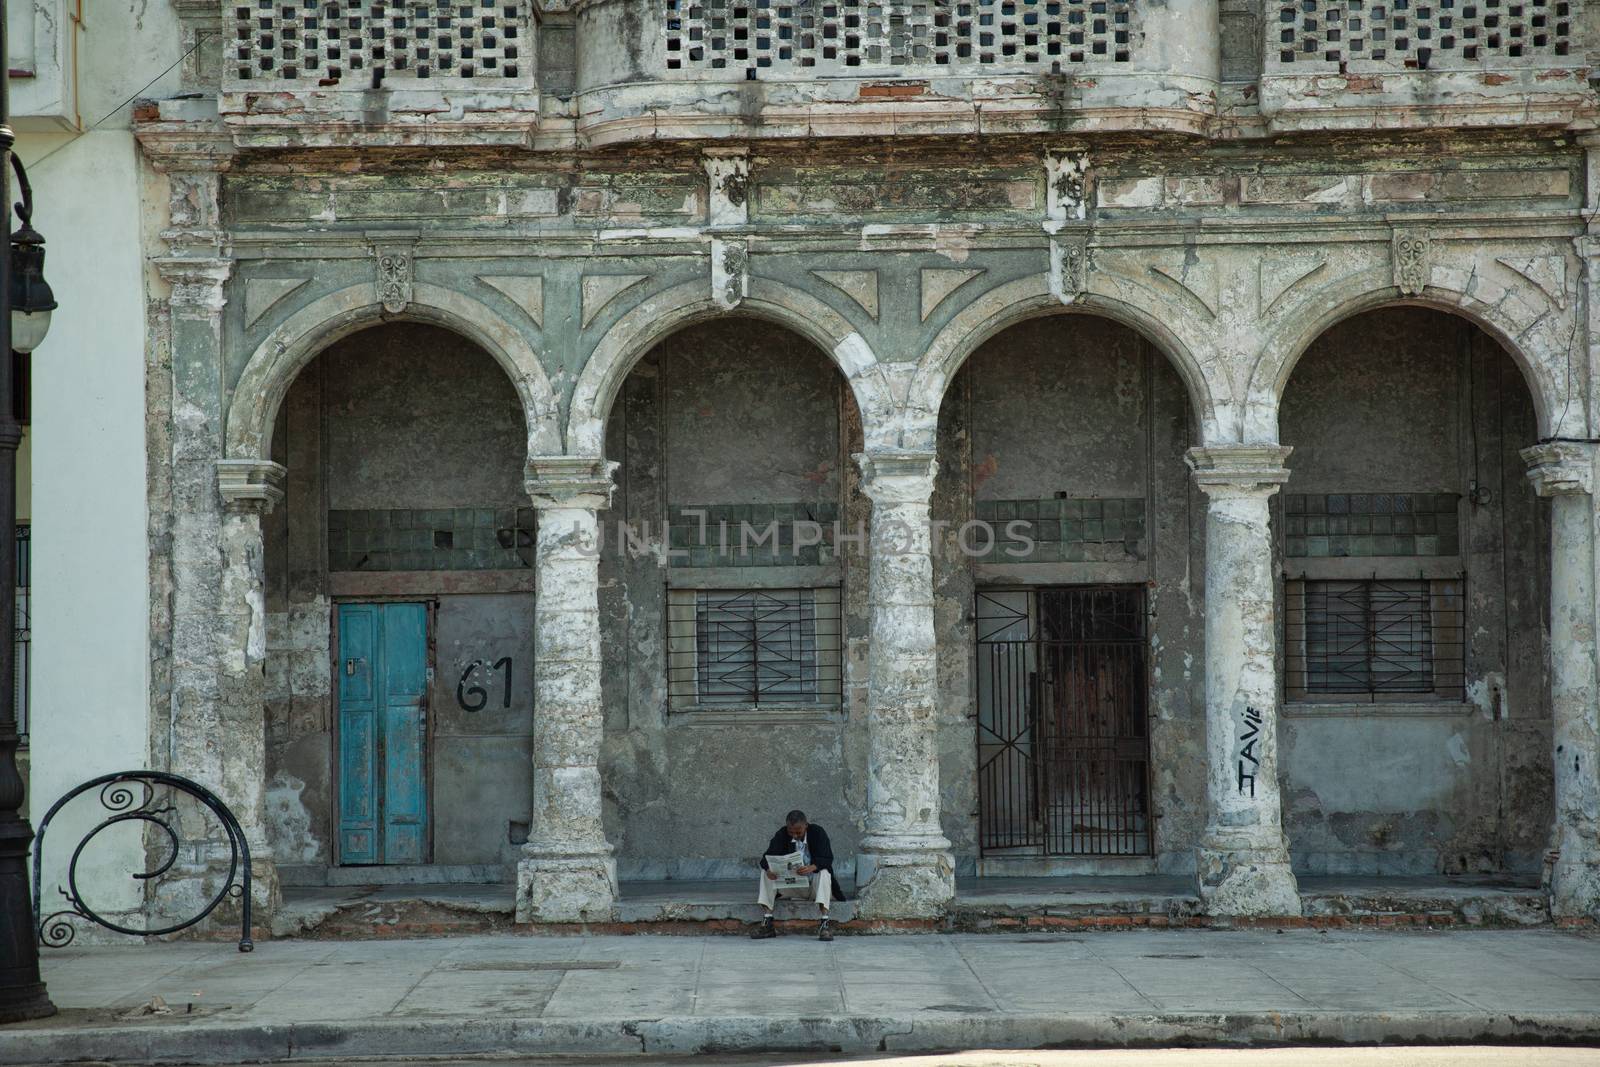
(754,647)
(1374,640)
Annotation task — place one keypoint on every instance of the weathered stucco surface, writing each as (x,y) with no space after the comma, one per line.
(777,323)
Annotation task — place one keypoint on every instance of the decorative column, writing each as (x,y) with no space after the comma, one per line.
(567,873)
(1564,471)
(904,870)
(208,634)
(1242,863)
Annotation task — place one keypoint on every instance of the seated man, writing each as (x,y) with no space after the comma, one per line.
(816,857)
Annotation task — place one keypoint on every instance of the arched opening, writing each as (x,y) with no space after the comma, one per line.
(399,593)
(1068,619)
(731,614)
(1415,731)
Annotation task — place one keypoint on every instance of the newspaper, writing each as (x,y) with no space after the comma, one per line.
(785,867)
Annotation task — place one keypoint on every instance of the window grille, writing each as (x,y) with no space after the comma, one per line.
(756,647)
(1375,640)
(332,41)
(1422,33)
(23,632)
(749,36)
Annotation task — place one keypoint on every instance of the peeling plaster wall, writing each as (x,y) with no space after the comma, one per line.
(1080,406)
(1410,400)
(726,414)
(400,419)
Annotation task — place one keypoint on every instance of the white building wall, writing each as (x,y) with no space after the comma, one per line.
(91,667)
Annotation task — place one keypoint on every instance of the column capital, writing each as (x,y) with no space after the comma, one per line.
(569,482)
(1239,470)
(1559,468)
(897,477)
(197,282)
(250,484)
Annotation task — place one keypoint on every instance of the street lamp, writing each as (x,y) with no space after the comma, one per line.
(31,298)
(22,993)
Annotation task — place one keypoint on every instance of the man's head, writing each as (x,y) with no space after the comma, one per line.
(796,823)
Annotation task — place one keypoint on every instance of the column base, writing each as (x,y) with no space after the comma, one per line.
(1246,882)
(566,888)
(1575,887)
(187,888)
(905,883)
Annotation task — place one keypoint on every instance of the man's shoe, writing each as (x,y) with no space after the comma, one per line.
(824,930)
(765,930)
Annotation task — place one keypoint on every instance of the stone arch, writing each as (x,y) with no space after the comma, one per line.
(1541,344)
(1027,298)
(656,317)
(302,336)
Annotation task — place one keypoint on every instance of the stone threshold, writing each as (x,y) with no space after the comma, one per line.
(981,905)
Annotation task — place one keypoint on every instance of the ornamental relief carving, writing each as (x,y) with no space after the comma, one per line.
(1410,253)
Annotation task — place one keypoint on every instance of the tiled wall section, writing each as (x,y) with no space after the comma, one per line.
(445,539)
(1063,530)
(697,545)
(1371,524)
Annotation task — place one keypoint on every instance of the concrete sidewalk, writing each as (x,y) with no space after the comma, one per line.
(616,996)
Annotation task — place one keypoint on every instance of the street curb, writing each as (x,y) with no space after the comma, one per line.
(215,1042)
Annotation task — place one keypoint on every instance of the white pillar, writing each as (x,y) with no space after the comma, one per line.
(905,869)
(1243,858)
(1564,472)
(567,873)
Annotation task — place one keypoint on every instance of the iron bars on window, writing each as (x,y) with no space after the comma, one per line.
(754,647)
(1375,639)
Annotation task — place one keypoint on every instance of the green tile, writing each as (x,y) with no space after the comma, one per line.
(1427,545)
(1093,509)
(1316,546)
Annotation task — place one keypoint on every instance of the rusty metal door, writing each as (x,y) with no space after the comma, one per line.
(1063,738)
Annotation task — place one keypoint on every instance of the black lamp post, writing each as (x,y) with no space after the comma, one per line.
(24,317)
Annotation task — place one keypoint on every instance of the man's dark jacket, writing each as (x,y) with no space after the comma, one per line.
(816,841)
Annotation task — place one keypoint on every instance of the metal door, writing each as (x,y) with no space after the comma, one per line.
(1063,740)
(383,724)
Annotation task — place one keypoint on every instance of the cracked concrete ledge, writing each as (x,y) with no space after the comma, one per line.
(938,1031)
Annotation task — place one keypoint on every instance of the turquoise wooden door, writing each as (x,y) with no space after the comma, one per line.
(383,685)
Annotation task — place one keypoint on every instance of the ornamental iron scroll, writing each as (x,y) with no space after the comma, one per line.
(150,798)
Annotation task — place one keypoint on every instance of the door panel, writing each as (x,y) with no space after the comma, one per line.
(358,741)
(383,663)
(405,673)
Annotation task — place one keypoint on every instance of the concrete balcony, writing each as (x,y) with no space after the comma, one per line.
(660,69)
(1398,64)
(370,72)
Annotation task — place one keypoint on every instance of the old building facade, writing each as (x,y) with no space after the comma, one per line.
(1168,431)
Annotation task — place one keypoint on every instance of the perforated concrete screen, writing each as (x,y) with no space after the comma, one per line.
(752,35)
(344,41)
(1419,35)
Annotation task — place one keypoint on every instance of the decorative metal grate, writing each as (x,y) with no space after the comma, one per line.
(754,647)
(1376,640)
(1063,737)
(1422,33)
(749,36)
(23,633)
(363,41)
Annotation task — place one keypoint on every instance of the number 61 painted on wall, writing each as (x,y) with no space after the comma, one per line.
(476,697)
